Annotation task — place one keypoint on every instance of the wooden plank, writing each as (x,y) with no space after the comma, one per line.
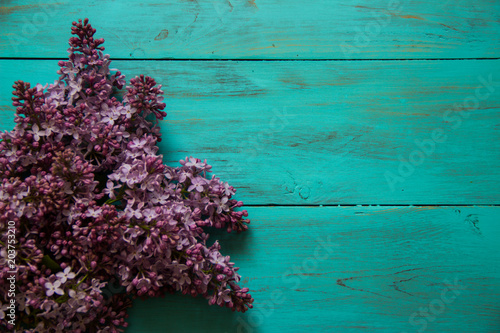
(222,29)
(380,266)
(326,132)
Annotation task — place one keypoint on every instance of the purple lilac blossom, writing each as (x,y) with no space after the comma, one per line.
(92,201)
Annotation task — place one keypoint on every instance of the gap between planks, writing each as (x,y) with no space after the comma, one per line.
(265,60)
(374,205)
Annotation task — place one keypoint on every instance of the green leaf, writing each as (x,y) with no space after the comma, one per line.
(50,263)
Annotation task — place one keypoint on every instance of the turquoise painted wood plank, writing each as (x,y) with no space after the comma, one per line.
(326,132)
(375,269)
(293,29)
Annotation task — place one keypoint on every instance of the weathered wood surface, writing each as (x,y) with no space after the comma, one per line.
(375,268)
(221,29)
(317,133)
(325,132)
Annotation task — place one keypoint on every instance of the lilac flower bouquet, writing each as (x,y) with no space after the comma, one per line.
(91,201)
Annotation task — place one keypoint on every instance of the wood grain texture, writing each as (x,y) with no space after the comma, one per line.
(317,133)
(325,132)
(378,266)
(221,29)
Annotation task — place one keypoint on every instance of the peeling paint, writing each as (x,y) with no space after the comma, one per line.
(162,35)
(412,16)
(4,10)
(252,3)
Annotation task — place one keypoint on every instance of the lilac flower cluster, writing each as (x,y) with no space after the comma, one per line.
(92,201)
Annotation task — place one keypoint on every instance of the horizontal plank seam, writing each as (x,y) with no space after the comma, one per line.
(268,60)
(374,205)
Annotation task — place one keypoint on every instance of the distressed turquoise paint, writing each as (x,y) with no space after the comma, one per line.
(344,126)
(325,132)
(384,264)
(273,29)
